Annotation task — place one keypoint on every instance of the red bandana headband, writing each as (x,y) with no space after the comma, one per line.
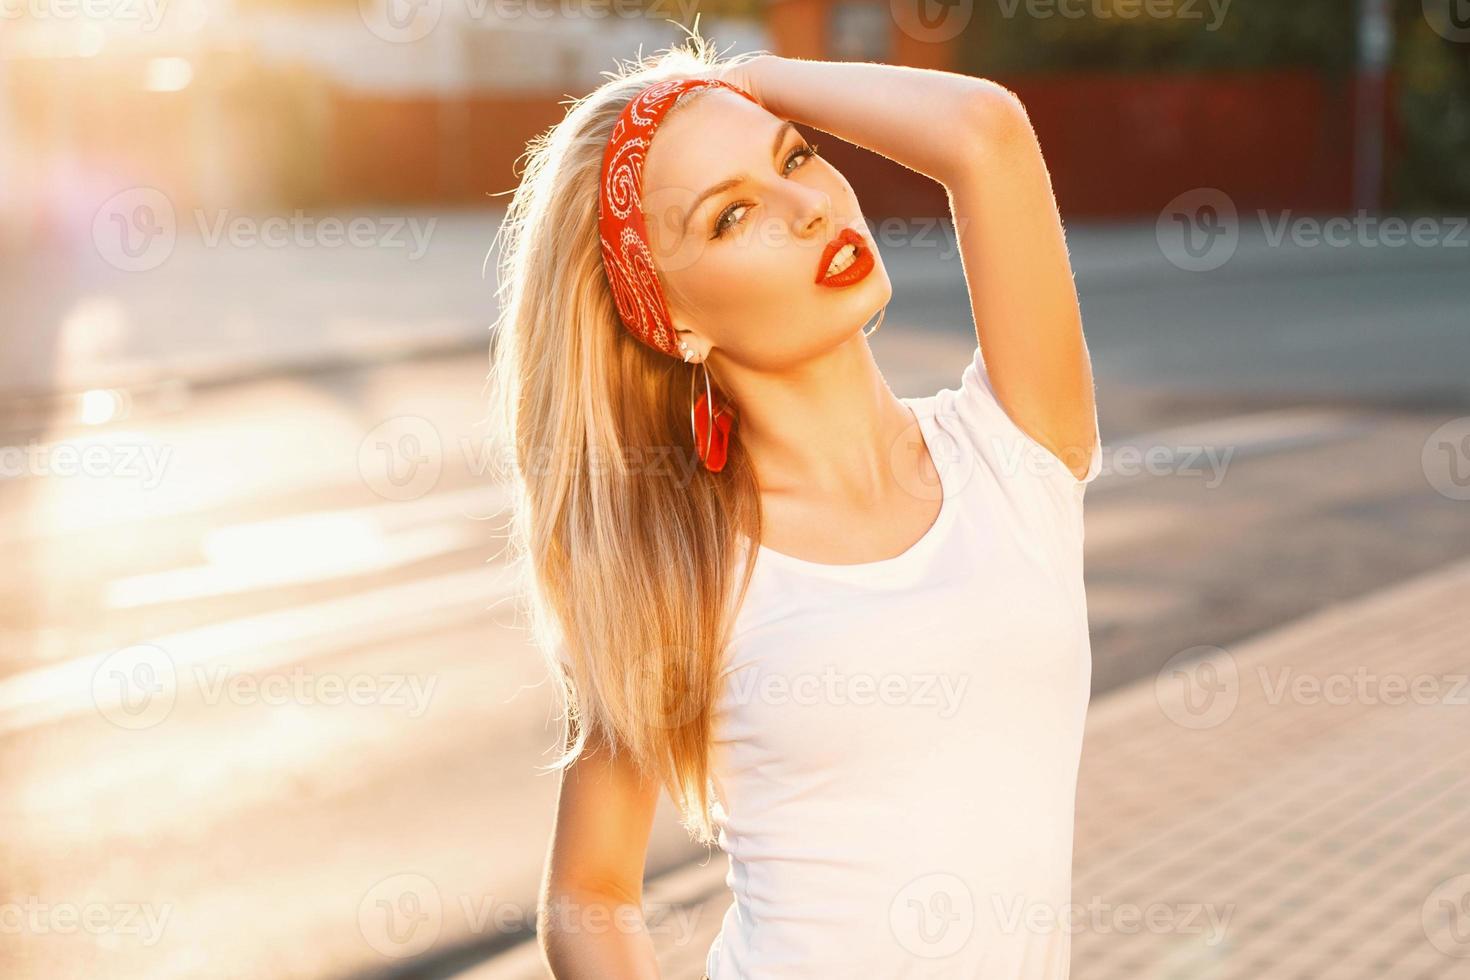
(626,256)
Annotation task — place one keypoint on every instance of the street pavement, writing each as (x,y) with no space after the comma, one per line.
(240,296)
(267,709)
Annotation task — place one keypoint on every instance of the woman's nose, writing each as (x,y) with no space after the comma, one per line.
(813,211)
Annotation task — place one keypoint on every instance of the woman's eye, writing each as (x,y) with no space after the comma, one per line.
(806,152)
(725,222)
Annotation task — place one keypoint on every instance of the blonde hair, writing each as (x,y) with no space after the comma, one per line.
(630,549)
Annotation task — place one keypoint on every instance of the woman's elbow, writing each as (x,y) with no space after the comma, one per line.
(991,137)
(994,117)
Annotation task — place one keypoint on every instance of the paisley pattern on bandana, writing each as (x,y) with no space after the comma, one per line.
(627,258)
(624,169)
(635,286)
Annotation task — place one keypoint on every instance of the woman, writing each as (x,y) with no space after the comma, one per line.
(846,631)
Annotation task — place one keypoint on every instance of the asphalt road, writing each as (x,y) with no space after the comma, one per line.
(265,708)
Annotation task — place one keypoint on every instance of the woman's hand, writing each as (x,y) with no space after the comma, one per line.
(745,75)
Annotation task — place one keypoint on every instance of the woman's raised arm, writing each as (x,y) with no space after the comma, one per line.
(974,137)
(905,114)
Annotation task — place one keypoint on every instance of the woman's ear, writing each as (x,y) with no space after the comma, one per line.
(692,347)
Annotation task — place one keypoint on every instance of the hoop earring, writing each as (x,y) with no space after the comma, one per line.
(721,421)
(709,401)
(883,310)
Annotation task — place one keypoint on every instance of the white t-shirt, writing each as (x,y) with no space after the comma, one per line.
(896,743)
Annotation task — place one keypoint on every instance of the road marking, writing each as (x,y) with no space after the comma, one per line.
(265,640)
(1219,442)
(323,545)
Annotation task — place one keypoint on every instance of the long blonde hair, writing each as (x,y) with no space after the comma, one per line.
(630,549)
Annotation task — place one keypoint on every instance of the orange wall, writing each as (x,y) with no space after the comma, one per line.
(425,150)
(1116,145)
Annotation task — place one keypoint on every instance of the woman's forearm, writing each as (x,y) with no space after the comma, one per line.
(910,115)
(589,936)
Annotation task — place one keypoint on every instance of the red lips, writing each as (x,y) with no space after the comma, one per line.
(862,262)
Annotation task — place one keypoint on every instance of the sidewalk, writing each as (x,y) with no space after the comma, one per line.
(1293,807)
(1313,784)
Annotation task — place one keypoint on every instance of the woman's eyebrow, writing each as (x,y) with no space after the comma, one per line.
(725,185)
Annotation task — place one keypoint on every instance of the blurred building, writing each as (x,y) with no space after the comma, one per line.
(271,104)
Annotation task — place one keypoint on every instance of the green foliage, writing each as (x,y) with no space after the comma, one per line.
(1172,35)
(1430,170)
(1432,108)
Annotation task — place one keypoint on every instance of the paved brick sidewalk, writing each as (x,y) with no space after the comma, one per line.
(1313,784)
(1294,807)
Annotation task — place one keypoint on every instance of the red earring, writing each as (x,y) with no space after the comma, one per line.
(711,428)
